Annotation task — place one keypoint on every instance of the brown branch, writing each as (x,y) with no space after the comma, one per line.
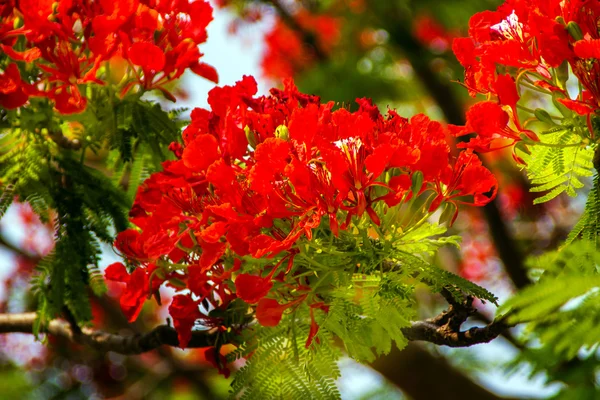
(423,376)
(104,341)
(441,331)
(196,375)
(445,328)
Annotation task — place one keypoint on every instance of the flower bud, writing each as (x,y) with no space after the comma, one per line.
(522,146)
(449,214)
(250,137)
(543,116)
(282,132)
(562,74)
(417,182)
(574,30)
(17,23)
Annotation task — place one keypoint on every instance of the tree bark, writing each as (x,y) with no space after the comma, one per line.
(423,376)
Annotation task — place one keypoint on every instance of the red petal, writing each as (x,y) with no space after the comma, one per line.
(213,233)
(378,160)
(269,312)
(68,100)
(135,294)
(577,106)
(221,365)
(185,312)
(13,100)
(201,152)
(147,55)
(27,55)
(587,48)
(116,272)
(211,252)
(206,71)
(506,89)
(252,288)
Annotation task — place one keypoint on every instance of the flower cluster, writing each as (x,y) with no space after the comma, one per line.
(52,49)
(253,181)
(535,42)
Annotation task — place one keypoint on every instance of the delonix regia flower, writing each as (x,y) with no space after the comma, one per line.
(134,42)
(257,176)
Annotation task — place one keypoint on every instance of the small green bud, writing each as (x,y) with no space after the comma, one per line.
(574,30)
(543,116)
(282,132)
(250,137)
(417,182)
(522,147)
(448,214)
(562,74)
(17,23)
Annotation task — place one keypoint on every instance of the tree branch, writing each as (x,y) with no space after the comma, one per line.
(423,376)
(104,341)
(442,330)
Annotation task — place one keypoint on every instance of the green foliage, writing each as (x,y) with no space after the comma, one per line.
(588,226)
(420,241)
(437,279)
(558,163)
(362,295)
(143,122)
(563,306)
(367,320)
(44,162)
(86,205)
(279,366)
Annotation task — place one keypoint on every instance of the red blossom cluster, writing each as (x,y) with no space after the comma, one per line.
(255,177)
(55,48)
(287,52)
(534,41)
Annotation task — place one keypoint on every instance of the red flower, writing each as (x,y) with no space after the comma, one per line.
(314,327)
(133,298)
(490,122)
(200,153)
(137,288)
(12,88)
(148,56)
(468,178)
(185,312)
(252,288)
(257,176)
(269,312)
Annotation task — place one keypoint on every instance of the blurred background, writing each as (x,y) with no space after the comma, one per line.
(399,53)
